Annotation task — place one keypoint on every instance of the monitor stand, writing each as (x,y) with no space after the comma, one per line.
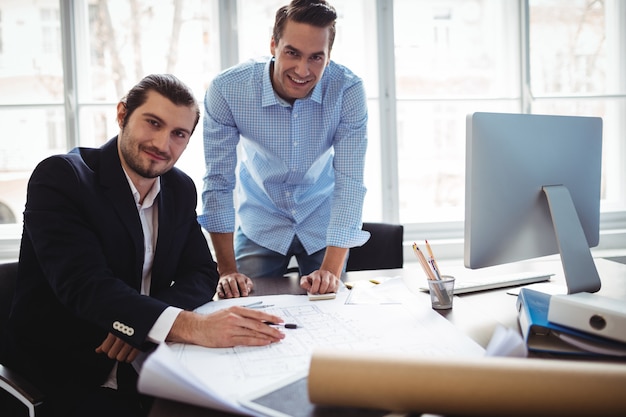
(580,271)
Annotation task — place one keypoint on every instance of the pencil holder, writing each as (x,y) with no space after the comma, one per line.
(441,292)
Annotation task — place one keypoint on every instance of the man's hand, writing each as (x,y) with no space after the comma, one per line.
(234,285)
(116,348)
(320,282)
(233,326)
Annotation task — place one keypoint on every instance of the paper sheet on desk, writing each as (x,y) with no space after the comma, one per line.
(389,290)
(227,374)
(164,376)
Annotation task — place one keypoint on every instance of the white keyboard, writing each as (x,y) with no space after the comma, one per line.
(467,285)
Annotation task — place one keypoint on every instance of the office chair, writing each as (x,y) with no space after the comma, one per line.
(13,387)
(382,251)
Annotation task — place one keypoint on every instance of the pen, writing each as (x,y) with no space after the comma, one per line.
(253,304)
(432,257)
(258,304)
(285,325)
(442,295)
(420,257)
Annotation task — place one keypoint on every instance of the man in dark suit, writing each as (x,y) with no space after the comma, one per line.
(112,260)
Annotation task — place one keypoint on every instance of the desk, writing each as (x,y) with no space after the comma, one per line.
(475,314)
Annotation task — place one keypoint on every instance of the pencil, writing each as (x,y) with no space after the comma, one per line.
(441,294)
(432,256)
(423,262)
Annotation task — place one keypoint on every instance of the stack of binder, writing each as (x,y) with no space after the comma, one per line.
(577,324)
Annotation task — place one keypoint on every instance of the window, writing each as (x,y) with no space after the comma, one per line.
(452,58)
(575,69)
(31,99)
(426,64)
(1,36)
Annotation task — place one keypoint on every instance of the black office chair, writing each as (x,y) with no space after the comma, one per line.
(382,251)
(13,387)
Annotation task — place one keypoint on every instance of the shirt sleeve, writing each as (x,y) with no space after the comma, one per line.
(163,325)
(350,145)
(221,137)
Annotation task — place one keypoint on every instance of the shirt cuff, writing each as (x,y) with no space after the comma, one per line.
(163,325)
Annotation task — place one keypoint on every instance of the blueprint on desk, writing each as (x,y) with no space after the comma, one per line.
(223,375)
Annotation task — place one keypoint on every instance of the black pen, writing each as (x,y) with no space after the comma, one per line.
(285,325)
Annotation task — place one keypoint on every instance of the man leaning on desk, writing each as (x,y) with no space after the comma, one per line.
(301,121)
(113,259)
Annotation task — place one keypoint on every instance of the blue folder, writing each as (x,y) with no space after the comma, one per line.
(543,336)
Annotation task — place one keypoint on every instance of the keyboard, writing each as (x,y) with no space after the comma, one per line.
(474,284)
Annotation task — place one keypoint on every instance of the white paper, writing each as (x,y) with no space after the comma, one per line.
(216,378)
(506,342)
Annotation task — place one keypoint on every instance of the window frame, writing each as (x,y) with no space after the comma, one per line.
(445,237)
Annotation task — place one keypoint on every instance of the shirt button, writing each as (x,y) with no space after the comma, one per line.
(288,194)
(295,115)
(293,212)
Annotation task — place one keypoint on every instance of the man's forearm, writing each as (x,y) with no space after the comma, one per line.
(224,252)
(334,259)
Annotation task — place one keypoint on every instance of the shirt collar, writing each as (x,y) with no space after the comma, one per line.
(148,201)
(270,97)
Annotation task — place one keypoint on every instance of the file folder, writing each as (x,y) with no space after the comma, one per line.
(590,313)
(543,336)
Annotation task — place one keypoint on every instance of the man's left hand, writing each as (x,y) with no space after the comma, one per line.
(320,282)
(116,348)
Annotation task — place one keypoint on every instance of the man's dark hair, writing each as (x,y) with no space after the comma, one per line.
(313,12)
(165,84)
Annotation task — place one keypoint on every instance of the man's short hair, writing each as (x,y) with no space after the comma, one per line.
(165,84)
(317,13)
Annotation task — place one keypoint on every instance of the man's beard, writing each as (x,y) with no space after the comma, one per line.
(135,163)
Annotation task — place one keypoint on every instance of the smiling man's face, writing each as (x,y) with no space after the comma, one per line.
(301,55)
(154,137)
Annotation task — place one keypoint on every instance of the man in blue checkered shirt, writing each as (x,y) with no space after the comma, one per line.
(301,121)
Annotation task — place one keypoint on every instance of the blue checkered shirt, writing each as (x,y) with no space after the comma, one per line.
(301,166)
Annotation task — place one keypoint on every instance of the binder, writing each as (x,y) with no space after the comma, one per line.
(590,313)
(543,336)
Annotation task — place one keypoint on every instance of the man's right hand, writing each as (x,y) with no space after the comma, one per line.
(233,326)
(234,285)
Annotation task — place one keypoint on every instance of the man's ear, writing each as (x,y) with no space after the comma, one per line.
(121,113)
(272,47)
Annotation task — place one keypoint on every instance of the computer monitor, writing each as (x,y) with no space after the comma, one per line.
(532,188)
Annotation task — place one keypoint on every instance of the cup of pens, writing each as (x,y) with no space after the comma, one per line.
(441,292)
(441,287)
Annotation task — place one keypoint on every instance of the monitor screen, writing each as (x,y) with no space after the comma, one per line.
(533,189)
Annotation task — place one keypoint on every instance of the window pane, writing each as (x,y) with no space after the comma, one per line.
(457,48)
(41,133)
(576,48)
(127,40)
(31,68)
(452,58)
(568,53)
(31,89)
(431,157)
(613,195)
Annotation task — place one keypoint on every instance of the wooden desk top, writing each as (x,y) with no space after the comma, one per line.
(476,314)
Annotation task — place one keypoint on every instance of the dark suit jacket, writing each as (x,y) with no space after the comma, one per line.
(81,261)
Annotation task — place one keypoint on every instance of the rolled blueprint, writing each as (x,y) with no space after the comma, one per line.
(485,386)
